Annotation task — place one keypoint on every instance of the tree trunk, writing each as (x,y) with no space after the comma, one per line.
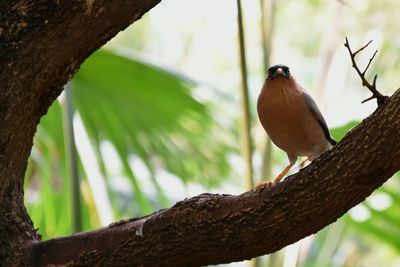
(42,44)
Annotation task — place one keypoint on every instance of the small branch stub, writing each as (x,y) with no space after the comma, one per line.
(372,87)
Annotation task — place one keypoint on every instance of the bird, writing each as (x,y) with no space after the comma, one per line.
(291,119)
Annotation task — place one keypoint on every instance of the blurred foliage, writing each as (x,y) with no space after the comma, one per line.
(382,224)
(141,110)
(339,132)
(150,112)
(45,177)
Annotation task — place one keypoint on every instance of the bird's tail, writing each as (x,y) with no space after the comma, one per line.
(332,141)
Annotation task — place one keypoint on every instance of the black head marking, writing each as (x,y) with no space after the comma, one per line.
(272,71)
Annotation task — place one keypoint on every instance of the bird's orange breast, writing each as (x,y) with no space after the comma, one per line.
(288,121)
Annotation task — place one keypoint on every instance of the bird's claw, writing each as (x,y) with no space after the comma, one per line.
(264,184)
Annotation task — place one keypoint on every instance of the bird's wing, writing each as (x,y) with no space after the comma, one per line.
(318,116)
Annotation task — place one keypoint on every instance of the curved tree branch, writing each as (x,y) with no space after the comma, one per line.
(211,229)
(43,42)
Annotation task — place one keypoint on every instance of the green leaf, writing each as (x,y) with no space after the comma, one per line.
(151,113)
(143,111)
(339,132)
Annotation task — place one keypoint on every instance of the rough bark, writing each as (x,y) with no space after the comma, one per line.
(42,43)
(211,229)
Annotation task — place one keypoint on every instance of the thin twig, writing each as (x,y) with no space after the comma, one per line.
(368,99)
(343,2)
(372,87)
(369,63)
(361,49)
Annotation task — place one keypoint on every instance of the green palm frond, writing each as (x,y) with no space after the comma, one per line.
(142,111)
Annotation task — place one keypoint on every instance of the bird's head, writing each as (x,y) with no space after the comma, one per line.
(278,71)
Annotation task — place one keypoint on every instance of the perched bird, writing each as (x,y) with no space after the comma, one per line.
(291,118)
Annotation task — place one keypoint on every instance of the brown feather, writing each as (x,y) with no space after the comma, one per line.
(288,120)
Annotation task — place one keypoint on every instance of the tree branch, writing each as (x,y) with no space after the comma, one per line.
(212,229)
(42,44)
(372,87)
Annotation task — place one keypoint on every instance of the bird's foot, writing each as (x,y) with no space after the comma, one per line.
(264,184)
(276,180)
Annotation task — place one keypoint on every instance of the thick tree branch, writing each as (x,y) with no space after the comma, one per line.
(372,87)
(42,44)
(211,229)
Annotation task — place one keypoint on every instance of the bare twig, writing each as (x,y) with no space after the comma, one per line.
(372,87)
(369,62)
(359,50)
(343,2)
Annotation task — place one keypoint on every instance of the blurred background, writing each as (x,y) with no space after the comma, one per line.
(167,110)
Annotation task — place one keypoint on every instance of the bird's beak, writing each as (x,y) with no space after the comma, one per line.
(279,73)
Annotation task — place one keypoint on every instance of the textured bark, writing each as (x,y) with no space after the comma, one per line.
(42,43)
(211,229)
